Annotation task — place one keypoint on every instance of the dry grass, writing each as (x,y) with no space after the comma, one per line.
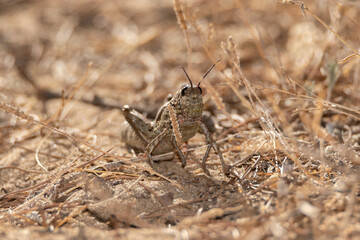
(283,104)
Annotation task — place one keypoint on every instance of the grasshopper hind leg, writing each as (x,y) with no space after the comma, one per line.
(139,124)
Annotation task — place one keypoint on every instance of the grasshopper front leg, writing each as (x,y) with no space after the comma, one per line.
(181,155)
(211,143)
(152,145)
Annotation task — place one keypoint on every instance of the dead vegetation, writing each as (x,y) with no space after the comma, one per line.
(283,105)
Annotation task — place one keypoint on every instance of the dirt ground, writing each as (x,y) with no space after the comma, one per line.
(283,105)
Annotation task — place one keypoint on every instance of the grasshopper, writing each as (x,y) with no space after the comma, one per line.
(159,136)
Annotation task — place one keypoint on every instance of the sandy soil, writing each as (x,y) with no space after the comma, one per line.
(283,105)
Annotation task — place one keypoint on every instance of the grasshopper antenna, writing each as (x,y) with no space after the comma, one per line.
(208,71)
(191,84)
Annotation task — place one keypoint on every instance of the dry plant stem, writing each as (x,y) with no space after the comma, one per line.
(202,218)
(39,153)
(350,209)
(329,105)
(118,195)
(232,210)
(144,38)
(257,38)
(226,133)
(206,197)
(38,149)
(235,59)
(182,204)
(19,113)
(53,181)
(27,220)
(265,118)
(210,55)
(203,43)
(73,214)
(107,174)
(347,58)
(188,45)
(155,195)
(305,8)
(95,158)
(231,52)
(178,9)
(162,157)
(71,93)
(250,168)
(25,189)
(20,169)
(49,206)
(225,209)
(243,100)
(266,121)
(242,161)
(218,101)
(251,27)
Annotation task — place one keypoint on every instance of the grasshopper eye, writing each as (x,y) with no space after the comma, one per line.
(200,90)
(183,91)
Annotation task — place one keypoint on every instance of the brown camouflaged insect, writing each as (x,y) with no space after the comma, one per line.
(159,136)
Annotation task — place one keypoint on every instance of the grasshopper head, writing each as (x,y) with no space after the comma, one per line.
(191,102)
(190,97)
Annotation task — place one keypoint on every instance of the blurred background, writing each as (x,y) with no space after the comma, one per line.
(136,47)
